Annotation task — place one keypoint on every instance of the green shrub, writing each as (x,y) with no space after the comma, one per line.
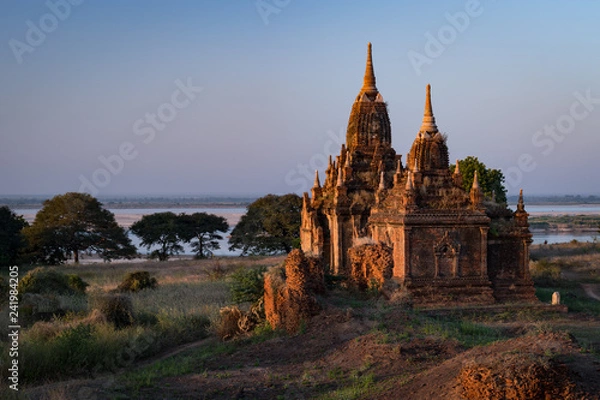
(136,281)
(47,281)
(75,282)
(544,272)
(117,308)
(247,285)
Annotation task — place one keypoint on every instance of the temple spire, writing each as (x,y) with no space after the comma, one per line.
(521,203)
(369,79)
(521,215)
(458,181)
(476,196)
(409,182)
(305,202)
(457,169)
(398,174)
(382,181)
(428,124)
(476,181)
(317,182)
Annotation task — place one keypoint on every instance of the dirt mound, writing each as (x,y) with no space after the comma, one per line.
(545,366)
(517,376)
(337,347)
(288,294)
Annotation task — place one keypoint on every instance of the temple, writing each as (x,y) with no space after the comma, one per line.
(444,243)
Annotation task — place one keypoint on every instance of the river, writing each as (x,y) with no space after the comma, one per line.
(127,216)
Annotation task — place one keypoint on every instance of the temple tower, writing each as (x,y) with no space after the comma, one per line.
(344,203)
(437,233)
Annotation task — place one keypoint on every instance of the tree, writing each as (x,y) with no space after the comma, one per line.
(201,229)
(72,223)
(491,181)
(271,225)
(161,229)
(12,240)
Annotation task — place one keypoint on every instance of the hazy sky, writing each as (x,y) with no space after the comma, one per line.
(247,96)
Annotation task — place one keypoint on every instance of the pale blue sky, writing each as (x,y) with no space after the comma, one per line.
(274,95)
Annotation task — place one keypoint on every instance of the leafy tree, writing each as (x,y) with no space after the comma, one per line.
(72,223)
(491,181)
(271,225)
(201,229)
(12,240)
(161,229)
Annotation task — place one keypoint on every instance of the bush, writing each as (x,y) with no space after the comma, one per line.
(544,272)
(46,281)
(247,285)
(136,281)
(117,309)
(228,325)
(234,321)
(75,282)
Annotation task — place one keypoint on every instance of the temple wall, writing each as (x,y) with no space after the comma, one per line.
(505,257)
(442,253)
(508,268)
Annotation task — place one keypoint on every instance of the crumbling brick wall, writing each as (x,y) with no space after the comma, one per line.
(289,289)
(371,264)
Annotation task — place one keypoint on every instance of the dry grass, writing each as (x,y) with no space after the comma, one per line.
(107,276)
(189,296)
(580,261)
(229,324)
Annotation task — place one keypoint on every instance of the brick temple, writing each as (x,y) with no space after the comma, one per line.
(422,232)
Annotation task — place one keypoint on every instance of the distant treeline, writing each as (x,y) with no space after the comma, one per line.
(582,223)
(549,200)
(27,202)
(35,201)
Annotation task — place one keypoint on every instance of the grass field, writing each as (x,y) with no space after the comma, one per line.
(80,343)
(358,347)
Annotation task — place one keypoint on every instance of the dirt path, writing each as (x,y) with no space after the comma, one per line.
(591,290)
(171,353)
